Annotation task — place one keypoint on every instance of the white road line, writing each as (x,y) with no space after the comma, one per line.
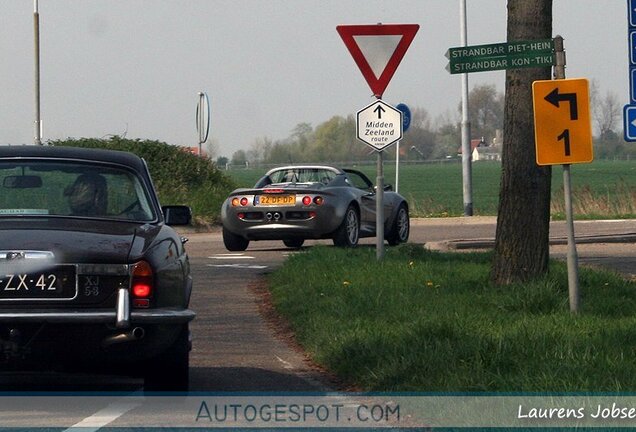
(230,256)
(105,416)
(239,266)
(286,364)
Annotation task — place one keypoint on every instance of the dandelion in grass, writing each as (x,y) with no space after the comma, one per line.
(346,283)
(429,283)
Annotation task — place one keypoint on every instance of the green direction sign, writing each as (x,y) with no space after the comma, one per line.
(509,55)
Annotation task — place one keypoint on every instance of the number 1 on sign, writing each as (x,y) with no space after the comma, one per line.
(565,136)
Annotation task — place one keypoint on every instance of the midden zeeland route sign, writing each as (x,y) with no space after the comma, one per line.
(507,55)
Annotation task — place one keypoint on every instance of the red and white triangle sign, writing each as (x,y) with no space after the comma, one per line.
(378,50)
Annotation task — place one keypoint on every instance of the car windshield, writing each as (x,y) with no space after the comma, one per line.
(45,188)
(302,175)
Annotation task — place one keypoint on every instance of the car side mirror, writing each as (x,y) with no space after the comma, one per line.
(387,187)
(177,215)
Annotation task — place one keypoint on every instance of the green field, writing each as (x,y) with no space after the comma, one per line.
(602,189)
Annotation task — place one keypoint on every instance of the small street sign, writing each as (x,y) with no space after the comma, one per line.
(406,116)
(203,117)
(379,125)
(378,50)
(632,85)
(499,56)
(629,118)
(629,111)
(562,124)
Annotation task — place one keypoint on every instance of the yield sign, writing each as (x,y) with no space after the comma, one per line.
(378,50)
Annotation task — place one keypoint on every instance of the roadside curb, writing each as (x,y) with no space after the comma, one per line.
(489,243)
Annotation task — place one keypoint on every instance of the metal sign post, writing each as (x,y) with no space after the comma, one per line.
(406,122)
(573,258)
(36,31)
(379,210)
(479,58)
(563,136)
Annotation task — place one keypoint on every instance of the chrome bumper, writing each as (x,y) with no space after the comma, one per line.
(70,316)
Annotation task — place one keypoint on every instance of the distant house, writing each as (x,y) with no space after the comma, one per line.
(486,153)
(481,151)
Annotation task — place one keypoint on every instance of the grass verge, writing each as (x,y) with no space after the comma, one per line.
(429,321)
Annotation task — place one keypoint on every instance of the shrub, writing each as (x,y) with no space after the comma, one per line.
(180,177)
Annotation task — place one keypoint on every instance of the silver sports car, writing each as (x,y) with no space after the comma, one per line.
(295,203)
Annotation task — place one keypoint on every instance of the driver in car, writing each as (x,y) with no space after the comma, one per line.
(88,195)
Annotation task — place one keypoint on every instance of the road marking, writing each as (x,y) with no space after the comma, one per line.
(286,364)
(105,416)
(230,256)
(239,266)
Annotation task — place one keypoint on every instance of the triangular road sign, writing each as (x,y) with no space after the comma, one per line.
(378,50)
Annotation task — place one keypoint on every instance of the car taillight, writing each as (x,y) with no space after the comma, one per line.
(318,200)
(141,284)
(236,201)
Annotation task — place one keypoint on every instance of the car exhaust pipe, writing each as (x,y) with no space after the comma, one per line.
(136,333)
(276,216)
(268,215)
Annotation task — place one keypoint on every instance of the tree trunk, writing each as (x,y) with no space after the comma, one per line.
(523,221)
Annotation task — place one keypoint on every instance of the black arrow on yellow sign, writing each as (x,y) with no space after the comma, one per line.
(554,97)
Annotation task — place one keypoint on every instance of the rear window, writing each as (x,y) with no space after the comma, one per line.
(302,175)
(41,188)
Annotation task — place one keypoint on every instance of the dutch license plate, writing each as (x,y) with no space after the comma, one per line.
(57,283)
(276,200)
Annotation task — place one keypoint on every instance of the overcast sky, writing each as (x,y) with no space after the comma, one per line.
(135,67)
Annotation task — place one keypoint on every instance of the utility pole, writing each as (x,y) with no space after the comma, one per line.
(466,150)
(36,30)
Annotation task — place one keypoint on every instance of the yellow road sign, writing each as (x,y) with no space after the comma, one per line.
(562,125)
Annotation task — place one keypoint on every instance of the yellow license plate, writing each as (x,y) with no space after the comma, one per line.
(276,200)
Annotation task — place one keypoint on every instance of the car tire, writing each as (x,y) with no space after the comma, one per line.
(234,242)
(348,233)
(170,370)
(399,232)
(294,243)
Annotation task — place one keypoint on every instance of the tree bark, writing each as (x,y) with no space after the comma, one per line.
(523,221)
